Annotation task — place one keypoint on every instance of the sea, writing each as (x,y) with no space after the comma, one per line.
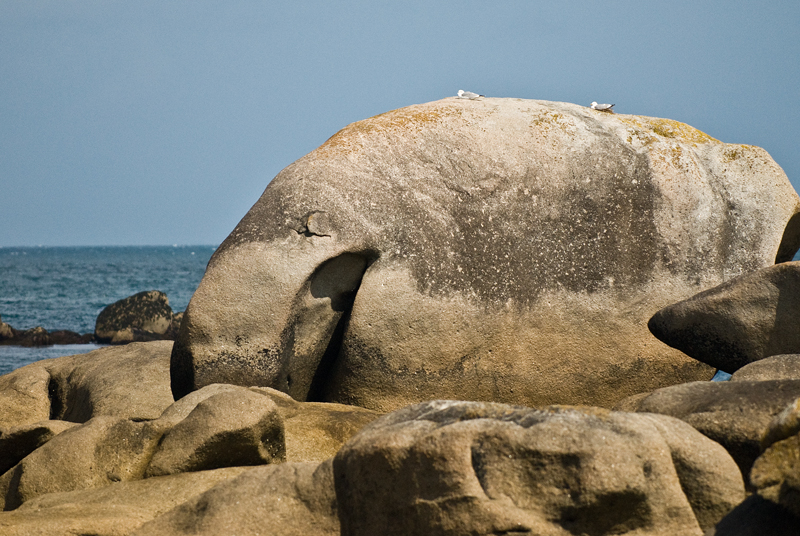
(67,287)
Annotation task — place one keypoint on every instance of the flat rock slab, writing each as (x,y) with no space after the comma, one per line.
(734,414)
(446,467)
(291,499)
(111,510)
(743,320)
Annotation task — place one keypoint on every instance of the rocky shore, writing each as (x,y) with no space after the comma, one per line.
(143,317)
(462,317)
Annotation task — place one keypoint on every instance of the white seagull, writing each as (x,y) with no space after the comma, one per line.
(469,95)
(603,107)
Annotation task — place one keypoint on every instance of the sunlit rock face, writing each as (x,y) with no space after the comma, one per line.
(503,249)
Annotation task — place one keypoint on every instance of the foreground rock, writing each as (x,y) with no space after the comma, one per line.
(503,249)
(734,414)
(479,468)
(129,382)
(292,499)
(145,316)
(738,322)
(111,510)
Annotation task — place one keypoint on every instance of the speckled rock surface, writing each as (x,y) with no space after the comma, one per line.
(141,317)
(501,249)
(748,318)
(448,468)
(776,367)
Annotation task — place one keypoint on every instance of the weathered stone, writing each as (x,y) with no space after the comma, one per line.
(776,367)
(92,455)
(16,443)
(291,499)
(144,316)
(112,510)
(503,249)
(130,381)
(315,431)
(776,474)
(6,331)
(228,429)
(756,516)
(738,322)
(734,414)
(479,468)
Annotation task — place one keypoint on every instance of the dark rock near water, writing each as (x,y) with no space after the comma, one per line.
(743,320)
(39,336)
(142,317)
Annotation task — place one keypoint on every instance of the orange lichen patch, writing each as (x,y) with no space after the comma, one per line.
(667,128)
(404,121)
(735,152)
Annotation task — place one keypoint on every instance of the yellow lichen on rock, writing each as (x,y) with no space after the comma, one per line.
(667,128)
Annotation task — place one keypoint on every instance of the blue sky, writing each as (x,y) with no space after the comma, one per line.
(161,122)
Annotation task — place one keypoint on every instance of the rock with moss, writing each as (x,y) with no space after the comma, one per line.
(145,316)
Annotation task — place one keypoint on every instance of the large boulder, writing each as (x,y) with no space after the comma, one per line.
(18,442)
(502,249)
(743,320)
(129,381)
(454,468)
(291,499)
(734,414)
(112,510)
(142,317)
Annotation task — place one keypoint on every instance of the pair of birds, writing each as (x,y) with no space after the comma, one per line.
(474,96)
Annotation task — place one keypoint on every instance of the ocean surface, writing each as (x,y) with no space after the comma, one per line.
(67,287)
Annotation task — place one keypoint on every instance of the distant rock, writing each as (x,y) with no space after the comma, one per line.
(6,331)
(776,367)
(143,317)
(738,322)
(39,336)
(444,467)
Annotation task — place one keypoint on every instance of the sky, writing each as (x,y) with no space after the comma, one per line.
(161,122)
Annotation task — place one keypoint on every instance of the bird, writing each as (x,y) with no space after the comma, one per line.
(468,95)
(603,107)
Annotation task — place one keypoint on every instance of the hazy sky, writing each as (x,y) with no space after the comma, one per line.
(161,122)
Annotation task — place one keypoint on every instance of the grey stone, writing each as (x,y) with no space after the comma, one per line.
(504,249)
(452,468)
(743,320)
(776,367)
(734,414)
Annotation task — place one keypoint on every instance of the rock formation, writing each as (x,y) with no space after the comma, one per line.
(502,249)
(740,321)
(141,317)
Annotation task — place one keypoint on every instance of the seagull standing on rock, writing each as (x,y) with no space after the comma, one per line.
(468,95)
(603,107)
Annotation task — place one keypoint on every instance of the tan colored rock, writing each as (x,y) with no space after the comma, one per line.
(148,312)
(291,499)
(18,442)
(748,318)
(479,468)
(734,414)
(228,429)
(130,381)
(6,331)
(112,510)
(503,249)
(92,455)
(776,474)
(776,367)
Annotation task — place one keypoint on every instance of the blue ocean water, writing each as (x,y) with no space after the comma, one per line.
(67,287)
